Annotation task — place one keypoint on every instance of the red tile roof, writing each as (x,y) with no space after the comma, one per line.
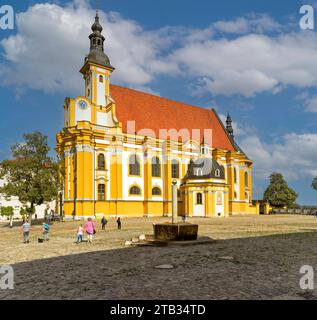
(156,113)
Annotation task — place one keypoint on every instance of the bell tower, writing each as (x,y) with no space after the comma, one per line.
(97,68)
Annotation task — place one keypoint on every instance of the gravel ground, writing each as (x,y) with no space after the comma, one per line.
(253,258)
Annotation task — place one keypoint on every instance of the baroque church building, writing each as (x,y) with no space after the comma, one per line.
(122,149)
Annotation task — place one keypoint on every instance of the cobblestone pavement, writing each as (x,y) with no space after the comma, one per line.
(253,258)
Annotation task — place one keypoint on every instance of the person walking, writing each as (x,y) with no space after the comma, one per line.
(119,223)
(26,231)
(90,229)
(80,231)
(103,223)
(46,230)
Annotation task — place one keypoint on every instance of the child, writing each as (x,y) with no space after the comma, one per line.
(80,230)
(46,229)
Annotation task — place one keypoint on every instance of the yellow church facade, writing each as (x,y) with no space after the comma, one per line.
(122,149)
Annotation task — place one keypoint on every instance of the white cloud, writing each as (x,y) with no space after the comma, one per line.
(52,41)
(252,23)
(252,63)
(309,101)
(294,156)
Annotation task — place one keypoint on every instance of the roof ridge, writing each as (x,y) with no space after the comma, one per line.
(163,98)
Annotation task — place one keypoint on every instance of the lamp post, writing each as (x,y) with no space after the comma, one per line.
(174,201)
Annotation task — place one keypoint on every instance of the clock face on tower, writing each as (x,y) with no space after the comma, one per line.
(82,104)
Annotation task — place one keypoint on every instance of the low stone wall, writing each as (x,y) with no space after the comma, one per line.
(303,211)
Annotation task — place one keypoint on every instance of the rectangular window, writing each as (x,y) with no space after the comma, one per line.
(101,192)
(175,169)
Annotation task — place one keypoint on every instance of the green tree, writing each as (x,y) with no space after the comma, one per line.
(278,193)
(314,183)
(31,175)
(7,212)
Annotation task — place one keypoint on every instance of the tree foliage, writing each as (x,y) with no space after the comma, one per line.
(278,193)
(31,175)
(6,211)
(314,183)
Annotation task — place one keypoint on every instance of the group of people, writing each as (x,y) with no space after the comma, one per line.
(89,228)
(26,226)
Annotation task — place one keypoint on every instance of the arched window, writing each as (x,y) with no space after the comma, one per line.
(235,195)
(199,172)
(100,78)
(134,165)
(94,41)
(99,42)
(175,169)
(156,191)
(156,167)
(101,162)
(199,198)
(135,191)
(235,175)
(101,192)
(246,179)
(217,173)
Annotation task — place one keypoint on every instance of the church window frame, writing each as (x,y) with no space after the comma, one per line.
(175,169)
(156,191)
(134,165)
(135,190)
(156,167)
(101,162)
(101,192)
(235,177)
(199,198)
(246,179)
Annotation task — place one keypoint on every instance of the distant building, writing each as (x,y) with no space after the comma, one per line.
(117,160)
(17,205)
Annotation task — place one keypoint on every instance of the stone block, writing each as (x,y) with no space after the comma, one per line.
(175,232)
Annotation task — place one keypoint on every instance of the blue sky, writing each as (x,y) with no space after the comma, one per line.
(249,58)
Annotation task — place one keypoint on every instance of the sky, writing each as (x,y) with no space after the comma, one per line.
(248,57)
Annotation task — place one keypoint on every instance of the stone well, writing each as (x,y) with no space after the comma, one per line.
(175,231)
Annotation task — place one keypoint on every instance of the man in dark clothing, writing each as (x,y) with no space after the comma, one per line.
(119,223)
(103,223)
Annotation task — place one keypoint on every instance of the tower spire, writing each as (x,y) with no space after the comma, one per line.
(97,54)
(229,126)
(97,7)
